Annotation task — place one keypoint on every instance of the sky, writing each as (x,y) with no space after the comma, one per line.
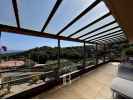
(24,42)
(33,14)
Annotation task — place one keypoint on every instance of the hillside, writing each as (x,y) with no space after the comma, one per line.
(45,53)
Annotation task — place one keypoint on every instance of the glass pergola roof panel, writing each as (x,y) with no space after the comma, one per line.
(112,39)
(101,30)
(67,11)
(91,16)
(107,33)
(95,26)
(33,13)
(116,34)
(7,16)
(67,18)
(69,43)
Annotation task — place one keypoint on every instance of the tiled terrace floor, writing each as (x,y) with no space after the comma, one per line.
(95,84)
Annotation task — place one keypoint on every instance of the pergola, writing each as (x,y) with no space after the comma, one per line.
(103,34)
(89,37)
(101,31)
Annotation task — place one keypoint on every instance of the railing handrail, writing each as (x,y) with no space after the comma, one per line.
(40,74)
(14,69)
(24,78)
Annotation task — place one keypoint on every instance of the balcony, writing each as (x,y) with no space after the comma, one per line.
(67,49)
(92,85)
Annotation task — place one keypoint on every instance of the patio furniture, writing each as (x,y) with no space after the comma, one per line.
(122,88)
(122,85)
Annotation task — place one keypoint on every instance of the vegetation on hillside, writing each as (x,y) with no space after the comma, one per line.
(45,53)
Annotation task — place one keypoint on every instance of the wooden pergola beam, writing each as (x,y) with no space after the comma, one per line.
(105,35)
(12,29)
(79,16)
(102,32)
(90,24)
(14,3)
(56,6)
(101,27)
(112,40)
(111,36)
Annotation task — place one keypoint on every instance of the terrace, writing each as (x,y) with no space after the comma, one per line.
(81,71)
(95,84)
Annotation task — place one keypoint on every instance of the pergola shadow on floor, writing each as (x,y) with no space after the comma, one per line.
(94,84)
